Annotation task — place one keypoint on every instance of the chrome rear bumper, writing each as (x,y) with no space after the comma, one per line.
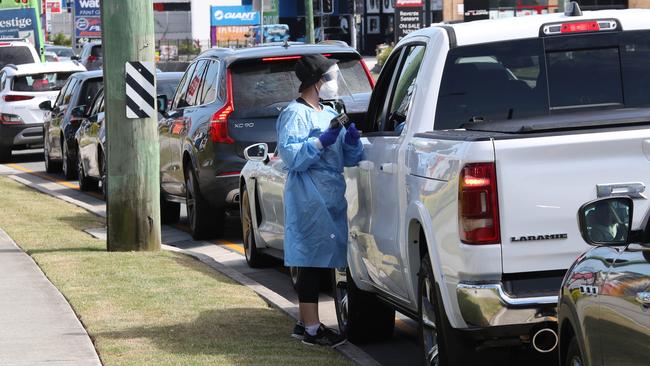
(488,305)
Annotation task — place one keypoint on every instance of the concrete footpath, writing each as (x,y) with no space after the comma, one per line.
(37,325)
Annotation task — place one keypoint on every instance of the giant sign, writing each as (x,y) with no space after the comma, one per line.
(87,19)
(21,23)
(233,16)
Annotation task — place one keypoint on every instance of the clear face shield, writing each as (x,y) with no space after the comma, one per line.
(333,90)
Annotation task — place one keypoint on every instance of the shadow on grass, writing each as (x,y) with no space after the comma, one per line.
(245,335)
(196,265)
(66,250)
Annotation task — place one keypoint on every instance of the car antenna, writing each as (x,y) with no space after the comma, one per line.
(573,9)
(286,43)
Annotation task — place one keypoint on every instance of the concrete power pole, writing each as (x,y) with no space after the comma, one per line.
(133,205)
(309,21)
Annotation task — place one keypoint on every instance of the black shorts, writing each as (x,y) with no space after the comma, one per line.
(308,283)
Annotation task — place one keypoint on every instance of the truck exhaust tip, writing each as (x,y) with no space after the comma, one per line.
(545,340)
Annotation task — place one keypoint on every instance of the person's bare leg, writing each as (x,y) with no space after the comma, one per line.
(309,313)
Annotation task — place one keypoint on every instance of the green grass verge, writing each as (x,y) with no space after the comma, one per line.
(157,308)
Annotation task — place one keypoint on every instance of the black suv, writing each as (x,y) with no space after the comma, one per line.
(67,113)
(227,100)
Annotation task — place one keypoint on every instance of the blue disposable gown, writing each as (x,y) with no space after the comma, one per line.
(315,209)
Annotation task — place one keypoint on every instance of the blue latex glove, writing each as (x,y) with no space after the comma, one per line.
(329,137)
(352,135)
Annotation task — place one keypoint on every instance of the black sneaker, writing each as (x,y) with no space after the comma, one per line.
(324,337)
(298,331)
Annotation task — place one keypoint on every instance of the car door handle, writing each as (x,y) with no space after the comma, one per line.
(388,168)
(643,298)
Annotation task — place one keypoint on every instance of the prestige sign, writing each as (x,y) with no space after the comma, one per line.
(20,23)
(233,16)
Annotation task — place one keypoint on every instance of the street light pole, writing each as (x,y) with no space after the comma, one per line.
(309,20)
(133,158)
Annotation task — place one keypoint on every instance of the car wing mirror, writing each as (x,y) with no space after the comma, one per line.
(607,222)
(257,152)
(161,104)
(75,58)
(45,106)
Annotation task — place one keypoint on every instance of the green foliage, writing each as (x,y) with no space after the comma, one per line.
(383,55)
(188,48)
(60,39)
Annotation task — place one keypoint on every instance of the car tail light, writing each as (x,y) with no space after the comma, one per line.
(280,58)
(478,205)
(219,122)
(17,98)
(5,44)
(228,174)
(371,80)
(10,119)
(92,58)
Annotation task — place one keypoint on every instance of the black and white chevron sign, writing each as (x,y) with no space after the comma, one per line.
(140,89)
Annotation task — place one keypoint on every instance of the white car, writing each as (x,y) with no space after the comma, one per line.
(22,89)
(17,52)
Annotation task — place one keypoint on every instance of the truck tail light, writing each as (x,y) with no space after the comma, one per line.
(92,58)
(17,98)
(478,204)
(371,80)
(219,122)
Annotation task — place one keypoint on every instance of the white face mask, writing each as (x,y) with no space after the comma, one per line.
(330,88)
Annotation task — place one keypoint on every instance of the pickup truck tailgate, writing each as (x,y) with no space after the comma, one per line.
(543,181)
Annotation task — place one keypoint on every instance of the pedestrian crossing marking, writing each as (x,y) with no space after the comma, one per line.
(140,89)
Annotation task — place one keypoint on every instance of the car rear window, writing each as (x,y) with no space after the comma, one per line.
(535,77)
(16,55)
(263,88)
(63,52)
(96,51)
(89,91)
(40,82)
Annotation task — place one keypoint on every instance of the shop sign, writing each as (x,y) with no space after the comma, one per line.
(233,16)
(20,23)
(87,19)
(407,20)
(476,10)
(409,3)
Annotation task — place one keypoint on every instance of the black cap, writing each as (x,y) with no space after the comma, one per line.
(309,69)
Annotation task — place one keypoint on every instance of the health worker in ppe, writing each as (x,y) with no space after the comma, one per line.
(315,208)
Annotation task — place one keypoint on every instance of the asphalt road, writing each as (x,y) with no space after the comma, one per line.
(402,349)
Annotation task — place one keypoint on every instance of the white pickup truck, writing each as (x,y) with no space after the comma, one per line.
(481,142)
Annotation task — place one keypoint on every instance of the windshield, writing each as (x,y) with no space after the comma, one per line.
(40,82)
(536,77)
(264,88)
(62,52)
(16,55)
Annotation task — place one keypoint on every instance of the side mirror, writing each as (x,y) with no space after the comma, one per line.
(257,152)
(75,58)
(606,221)
(45,106)
(161,104)
(78,111)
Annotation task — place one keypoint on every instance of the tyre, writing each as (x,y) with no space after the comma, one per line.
(5,154)
(85,183)
(69,165)
(573,355)
(362,317)
(440,344)
(104,177)
(202,222)
(253,257)
(50,165)
(170,212)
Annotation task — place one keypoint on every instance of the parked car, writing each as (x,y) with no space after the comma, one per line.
(61,124)
(22,88)
(227,100)
(17,52)
(461,213)
(605,297)
(62,53)
(91,136)
(91,56)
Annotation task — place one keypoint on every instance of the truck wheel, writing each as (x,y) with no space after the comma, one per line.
(573,355)
(85,183)
(202,221)
(170,212)
(362,317)
(440,344)
(253,257)
(5,154)
(69,166)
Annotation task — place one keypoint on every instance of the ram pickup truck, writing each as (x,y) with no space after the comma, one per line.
(481,142)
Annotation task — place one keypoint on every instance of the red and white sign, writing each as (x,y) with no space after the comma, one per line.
(409,3)
(54,6)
